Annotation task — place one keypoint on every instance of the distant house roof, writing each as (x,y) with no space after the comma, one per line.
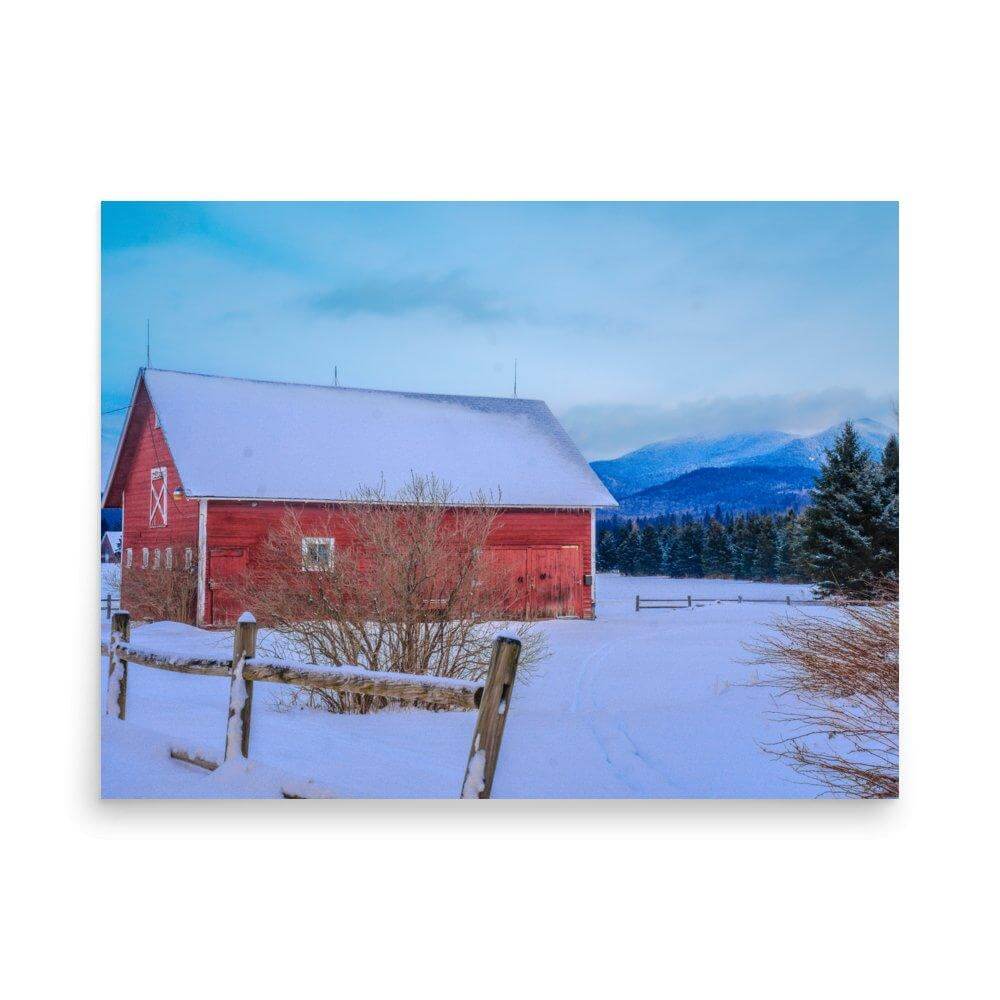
(240,438)
(114,539)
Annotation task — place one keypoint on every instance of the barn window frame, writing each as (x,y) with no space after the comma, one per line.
(311,563)
(145,558)
(158,496)
(156,558)
(128,557)
(168,557)
(188,557)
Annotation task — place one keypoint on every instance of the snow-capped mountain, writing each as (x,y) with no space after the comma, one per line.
(808,451)
(658,463)
(655,464)
(733,489)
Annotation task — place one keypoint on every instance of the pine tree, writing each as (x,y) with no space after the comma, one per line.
(607,551)
(765,556)
(742,542)
(717,557)
(629,551)
(841,523)
(650,555)
(791,557)
(686,551)
(887,525)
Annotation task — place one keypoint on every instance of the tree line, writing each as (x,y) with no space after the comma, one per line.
(845,541)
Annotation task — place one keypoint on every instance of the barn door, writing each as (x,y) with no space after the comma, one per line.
(511,568)
(225,566)
(553,575)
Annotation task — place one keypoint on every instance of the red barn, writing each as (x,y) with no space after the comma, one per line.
(207,465)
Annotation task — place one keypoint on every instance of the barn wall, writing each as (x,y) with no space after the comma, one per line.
(245,523)
(145,448)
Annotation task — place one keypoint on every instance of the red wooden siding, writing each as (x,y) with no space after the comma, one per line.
(144,449)
(549,550)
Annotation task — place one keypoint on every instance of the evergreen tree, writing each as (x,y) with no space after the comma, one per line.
(686,550)
(717,557)
(650,556)
(742,543)
(629,550)
(765,557)
(607,551)
(791,557)
(841,523)
(887,526)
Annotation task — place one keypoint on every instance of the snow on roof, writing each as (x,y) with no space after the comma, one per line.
(282,441)
(114,537)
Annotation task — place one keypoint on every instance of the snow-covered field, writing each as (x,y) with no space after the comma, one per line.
(634,705)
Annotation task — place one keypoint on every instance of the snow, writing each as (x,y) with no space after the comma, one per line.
(643,704)
(274,440)
(475,778)
(246,619)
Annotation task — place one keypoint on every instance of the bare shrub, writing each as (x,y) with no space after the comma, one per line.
(410,588)
(841,681)
(160,594)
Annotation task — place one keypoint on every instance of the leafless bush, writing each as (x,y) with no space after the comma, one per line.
(838,685)
(410,588)
(160,594)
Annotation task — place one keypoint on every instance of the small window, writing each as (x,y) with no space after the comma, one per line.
(188,558)
(169,557)
(145,558)
(158,497)
(317,553)
(128,558)
(156,559)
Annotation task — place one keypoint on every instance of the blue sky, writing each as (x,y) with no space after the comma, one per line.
(636,322)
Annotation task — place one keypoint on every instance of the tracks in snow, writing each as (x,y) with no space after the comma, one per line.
(611,733)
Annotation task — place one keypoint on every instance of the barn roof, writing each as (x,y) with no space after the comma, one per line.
(240,438)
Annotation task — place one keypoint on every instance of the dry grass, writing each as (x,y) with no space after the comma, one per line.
(838,686)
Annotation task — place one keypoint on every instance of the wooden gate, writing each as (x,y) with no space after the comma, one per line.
(226,565)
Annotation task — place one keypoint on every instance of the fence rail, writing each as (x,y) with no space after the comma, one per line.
(689,601)
(642,603)
(491,697)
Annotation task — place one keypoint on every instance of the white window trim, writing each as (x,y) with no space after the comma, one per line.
(158,496)
(316,540)
(188,557)
(168,557)
(156,558)
(128,558)
(145,558)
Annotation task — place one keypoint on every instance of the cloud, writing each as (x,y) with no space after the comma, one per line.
(606,430)
(449,293)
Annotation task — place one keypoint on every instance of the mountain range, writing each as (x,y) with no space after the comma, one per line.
(769,470)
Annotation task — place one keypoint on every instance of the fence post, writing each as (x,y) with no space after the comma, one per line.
(788,598)
(117,666)
(689,600)
(240,689)
(493,710)
(107,603)
(636,602)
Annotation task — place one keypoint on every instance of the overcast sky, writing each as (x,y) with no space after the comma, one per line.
(636,322)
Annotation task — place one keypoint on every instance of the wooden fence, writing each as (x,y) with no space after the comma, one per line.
(109,605)
(688,601)
(491,697)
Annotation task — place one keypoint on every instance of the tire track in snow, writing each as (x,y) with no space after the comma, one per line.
(611,734)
